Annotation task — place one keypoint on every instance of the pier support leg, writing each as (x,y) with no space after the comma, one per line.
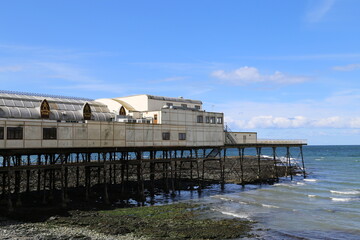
(28,175)
(122,172)
(10,204)
(38,174)
(288,158)
(77,171)
(63,198)
(241,157)
(302,161)
(276,174)
(258,152)
(140,176)
(18,181)
(106,194)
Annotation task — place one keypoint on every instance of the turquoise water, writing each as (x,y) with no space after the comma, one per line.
(325,205)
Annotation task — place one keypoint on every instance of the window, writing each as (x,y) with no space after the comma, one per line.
(182,136)
(166,136)
(1,132)
(14,133)
(87,111)
(184,105)
(122,111)
(219,120)
(169,104)
(197,107)
(200,119)
(212,120)
(44,109)
(207,119)
(49,133)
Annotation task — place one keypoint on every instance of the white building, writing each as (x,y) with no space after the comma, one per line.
(40,121)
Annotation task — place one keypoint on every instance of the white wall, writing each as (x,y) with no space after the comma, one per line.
(111,134)
(138,102)
(244,137)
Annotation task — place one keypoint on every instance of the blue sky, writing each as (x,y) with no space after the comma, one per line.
(286,69)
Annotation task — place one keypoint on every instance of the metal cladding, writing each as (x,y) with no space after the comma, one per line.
(28,106)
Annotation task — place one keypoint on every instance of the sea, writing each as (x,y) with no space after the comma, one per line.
(324,205)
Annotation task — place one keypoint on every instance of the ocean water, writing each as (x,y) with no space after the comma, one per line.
(325,205)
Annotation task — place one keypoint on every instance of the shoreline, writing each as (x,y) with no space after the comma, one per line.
(171,222)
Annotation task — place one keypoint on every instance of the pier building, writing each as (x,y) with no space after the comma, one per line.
(46,140)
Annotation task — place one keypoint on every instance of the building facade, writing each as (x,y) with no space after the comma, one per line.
(39,121)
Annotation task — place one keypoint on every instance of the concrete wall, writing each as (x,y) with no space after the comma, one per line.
(113,134)
(142,103)
(155,104)
(244,137)
(189,117)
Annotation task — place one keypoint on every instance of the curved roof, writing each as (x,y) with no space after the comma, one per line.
(21,105)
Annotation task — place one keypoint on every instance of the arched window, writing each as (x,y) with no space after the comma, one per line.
(122,111)
(87,112)
(45,109)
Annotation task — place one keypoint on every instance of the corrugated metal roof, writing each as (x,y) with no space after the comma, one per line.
(22,105)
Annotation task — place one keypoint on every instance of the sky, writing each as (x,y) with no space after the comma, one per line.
(285,69)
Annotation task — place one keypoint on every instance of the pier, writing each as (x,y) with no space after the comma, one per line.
(48,175)
(57,150)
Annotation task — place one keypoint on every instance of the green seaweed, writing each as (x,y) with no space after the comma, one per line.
(172,222)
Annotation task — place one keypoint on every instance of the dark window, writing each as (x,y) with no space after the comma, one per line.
(212,120)
(200,119)
(219,120)
(49,133)
(166,136)
(197,107)
(169,104)
(14,133)
(182,136)
(184,105)
(1,132)
(207,119)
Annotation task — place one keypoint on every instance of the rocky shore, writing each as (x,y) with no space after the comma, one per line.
(171,222)
(16,230)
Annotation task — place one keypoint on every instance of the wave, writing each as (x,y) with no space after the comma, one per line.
(310,180)
(238,215)
(350,192)
(341,199)
(312,196)
(269,206)
(229,199)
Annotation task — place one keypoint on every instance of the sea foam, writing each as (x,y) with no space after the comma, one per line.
(236,214)
(341,199)
(310,180)
(349,192)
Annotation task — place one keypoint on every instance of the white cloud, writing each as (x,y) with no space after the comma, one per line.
(318,9)
(247,75)
(276,122)
(347,68)
(11,68)
(270,122)
(337,111)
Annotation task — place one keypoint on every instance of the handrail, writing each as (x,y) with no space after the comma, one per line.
(295,141)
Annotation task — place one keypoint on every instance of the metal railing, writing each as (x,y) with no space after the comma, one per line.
(283,141)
